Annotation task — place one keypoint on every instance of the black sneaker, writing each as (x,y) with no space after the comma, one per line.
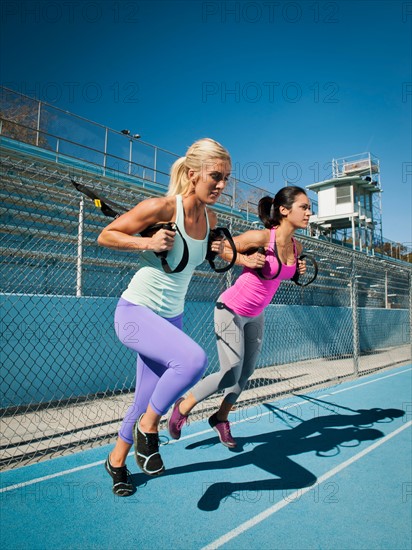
(121,482)
(146,451)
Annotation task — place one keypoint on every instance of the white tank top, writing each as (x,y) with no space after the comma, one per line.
(162,292)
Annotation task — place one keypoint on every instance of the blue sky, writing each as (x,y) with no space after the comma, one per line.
(286,84)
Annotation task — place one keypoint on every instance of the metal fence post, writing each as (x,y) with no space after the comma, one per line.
(79,267)
(355,318)
(386,290)
(105,151)
(410,310)
(38,123)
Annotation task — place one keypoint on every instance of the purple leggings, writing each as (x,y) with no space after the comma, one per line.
(168,362)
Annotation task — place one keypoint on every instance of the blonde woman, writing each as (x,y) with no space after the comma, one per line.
(149,314)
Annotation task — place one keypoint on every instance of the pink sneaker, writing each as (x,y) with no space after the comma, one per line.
(223,431)
(176,421)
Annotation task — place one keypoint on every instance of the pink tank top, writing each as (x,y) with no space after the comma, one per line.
(250,294)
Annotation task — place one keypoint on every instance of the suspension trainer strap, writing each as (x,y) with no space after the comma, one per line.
(104,205)
(149,231)
(218,234)
(109,209)
(295,277)
(259,270)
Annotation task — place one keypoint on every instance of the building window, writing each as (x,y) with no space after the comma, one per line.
(343,194)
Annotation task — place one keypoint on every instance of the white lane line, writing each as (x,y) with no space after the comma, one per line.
(191,436)
(51,476)
(372,381)
(278,506)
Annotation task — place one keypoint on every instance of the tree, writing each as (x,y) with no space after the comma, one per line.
(19,120)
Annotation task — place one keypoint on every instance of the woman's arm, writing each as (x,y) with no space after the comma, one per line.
(121,233)
(250,240)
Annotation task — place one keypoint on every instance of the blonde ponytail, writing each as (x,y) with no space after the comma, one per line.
(179,180)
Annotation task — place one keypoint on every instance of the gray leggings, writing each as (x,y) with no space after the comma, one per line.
(239,341)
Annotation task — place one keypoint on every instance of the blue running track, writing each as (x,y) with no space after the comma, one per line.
(325,470)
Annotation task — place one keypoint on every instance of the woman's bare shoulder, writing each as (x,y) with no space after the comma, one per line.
(254,238)
(157,208)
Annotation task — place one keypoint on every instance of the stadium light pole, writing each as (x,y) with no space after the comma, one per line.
(131,138)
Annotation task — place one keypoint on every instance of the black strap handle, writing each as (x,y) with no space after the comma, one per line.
(295,277)
(218,234)
(170,226)
(259,270)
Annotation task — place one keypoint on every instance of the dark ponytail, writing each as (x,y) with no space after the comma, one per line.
(268,208)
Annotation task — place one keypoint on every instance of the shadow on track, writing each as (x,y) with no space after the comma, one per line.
(271,452)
